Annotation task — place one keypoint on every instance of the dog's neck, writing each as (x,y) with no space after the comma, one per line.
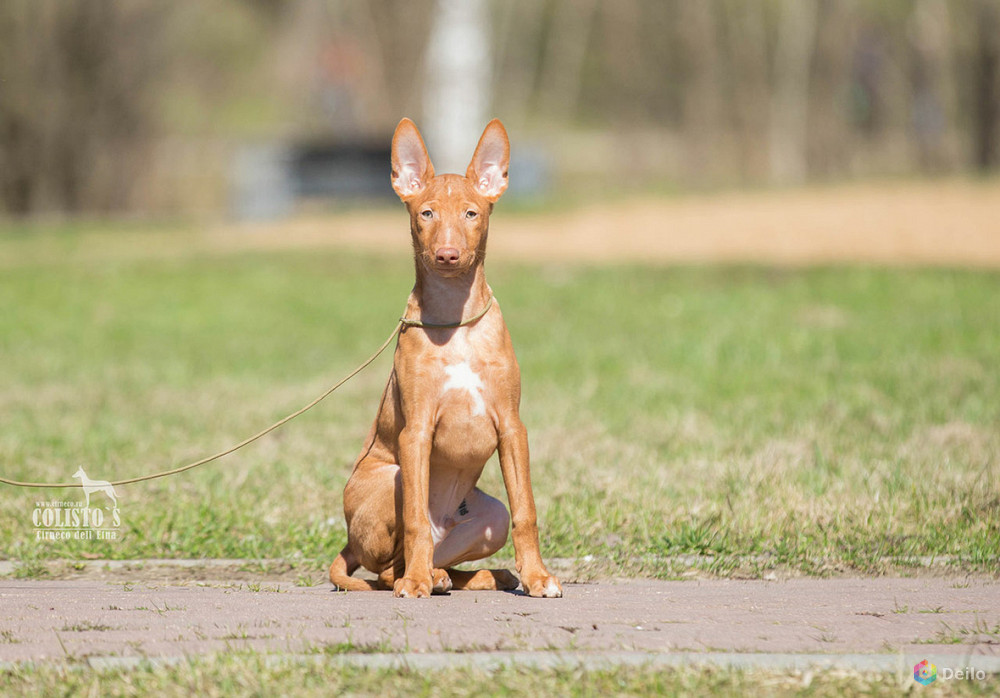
(444,300)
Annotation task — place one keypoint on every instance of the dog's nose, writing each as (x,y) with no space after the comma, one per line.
(447,255)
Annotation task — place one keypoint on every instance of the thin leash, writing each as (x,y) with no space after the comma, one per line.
(403,322)
(417,323)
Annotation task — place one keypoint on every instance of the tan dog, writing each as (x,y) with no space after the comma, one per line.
(412,506)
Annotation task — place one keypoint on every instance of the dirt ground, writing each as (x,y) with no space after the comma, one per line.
(73,620)
(946,223)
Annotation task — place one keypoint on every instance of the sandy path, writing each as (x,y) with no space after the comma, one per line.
(953,223)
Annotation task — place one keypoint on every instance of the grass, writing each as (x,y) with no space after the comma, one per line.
(980,631)
(251,674)
(86,626)
(823,419)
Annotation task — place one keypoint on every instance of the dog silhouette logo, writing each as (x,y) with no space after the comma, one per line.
(90,486)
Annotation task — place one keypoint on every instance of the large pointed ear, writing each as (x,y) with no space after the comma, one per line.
(488,169)
(411,166)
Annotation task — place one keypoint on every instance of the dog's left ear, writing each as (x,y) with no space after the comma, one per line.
(488,169)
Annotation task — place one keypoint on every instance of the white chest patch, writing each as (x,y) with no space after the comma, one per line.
(462,377)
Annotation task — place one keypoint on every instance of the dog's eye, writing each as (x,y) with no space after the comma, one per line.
(427,214)
(470,214)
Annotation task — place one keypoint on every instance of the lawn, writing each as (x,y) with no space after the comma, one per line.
(814,420)
(255,675)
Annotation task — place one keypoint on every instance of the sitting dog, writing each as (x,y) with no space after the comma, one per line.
(412,506)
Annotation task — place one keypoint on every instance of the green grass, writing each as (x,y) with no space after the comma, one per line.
(816,419)
(248,674)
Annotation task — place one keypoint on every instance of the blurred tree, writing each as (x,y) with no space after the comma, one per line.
(517,55)
(828,127)
(932,99)
(458,94)
(76,114)
(113,106)
(561,76)
(986,80)
(702,103)
(747,40)
(790,96)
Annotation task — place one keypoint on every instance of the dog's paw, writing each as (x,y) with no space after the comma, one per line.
(542,586)
(441,582)
(408,588)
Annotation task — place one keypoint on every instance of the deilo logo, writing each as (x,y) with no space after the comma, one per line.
(924,672)
(57,520)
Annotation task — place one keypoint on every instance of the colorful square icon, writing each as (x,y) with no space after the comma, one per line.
(924,672)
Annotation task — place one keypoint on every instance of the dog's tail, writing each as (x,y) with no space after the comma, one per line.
(341,570)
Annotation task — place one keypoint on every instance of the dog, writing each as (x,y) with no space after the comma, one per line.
(95,486)
(411,503)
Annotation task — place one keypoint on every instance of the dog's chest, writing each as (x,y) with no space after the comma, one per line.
(465,430)
(463,374)
(464,388)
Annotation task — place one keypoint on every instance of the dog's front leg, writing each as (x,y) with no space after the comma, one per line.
(418,546)
(535,578)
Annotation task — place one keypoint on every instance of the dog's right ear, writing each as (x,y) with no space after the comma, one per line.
(411,166)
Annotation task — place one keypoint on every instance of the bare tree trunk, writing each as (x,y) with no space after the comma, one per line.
(621,22)
(19,139)
(830,82)
(457,96)
(375,86)
(76,102)
(790,98)
(701,108)
(987,86)
(569,37)
(400,33)
(748,54)
(932,104)
(518,66)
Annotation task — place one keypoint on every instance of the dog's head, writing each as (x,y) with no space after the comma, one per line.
(449,214)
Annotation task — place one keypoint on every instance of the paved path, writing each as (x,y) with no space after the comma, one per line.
(78,619)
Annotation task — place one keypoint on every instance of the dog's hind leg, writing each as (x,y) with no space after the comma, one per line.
(483,580)
(479,531)
(341,570)
(440,578)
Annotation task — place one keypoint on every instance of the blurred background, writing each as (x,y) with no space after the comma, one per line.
(257,108)
(749,255)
